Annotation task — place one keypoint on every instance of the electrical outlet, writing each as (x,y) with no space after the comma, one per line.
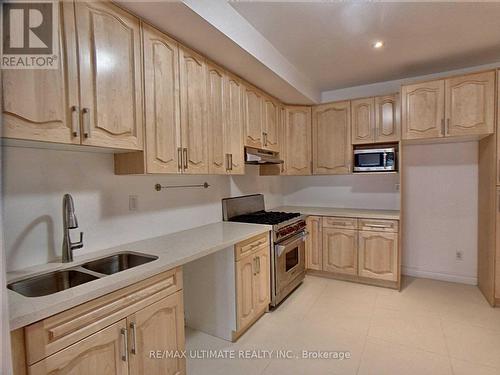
(132,202)
(397,187)
(459,255)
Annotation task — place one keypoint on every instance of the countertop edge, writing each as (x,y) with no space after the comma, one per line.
(119,281)
(343,212)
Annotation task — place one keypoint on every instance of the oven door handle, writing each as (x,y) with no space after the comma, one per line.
(282,247)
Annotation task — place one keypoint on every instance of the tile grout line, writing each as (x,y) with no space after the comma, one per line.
(367,332)
(446,344)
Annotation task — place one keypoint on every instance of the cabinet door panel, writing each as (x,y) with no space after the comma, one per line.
(423,110)
(159,326)
(340,251)
(314,252)
(378,255)
(193,111)
(271,125)
(262,278)
(110,76)
(298,140)
(36,104)
(332,150)
(387,118)
(470,104)
(234,124)
(498,137)
(253,117)
(245,305)
(215,89)
(100,353)
(363,121)
(161,72)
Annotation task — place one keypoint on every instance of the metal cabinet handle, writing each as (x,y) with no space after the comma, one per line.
(378,226)
(447,128)
(230,162)
(442,126)
(258,264)
(75,121)
(185,152)
(264,136)
(86,122)
(255,266)
(125,344)
(179,159)
(134,338)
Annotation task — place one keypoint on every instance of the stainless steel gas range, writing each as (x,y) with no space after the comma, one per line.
(288,240)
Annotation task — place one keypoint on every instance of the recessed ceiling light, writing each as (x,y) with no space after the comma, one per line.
(378,44)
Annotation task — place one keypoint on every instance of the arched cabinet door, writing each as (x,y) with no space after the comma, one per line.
(363,121)
(193,89)
(470,104)
(340,251)
(387,118)
(378,255)
(298,140)
(332,149)
(42,104)
(423,110)
(109,48)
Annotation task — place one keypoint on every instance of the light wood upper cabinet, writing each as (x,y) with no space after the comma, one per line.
(215,116)
(233,127)
(160,325)
(162,112)
(470,104)
(332,150)
(41,104)
(245,285)
(387,118)
(314,249)
(378,255)
(253,117)
(498,137)
(297,140)
(109,49)
(193,89)
(104,352)
(363,120)
(423,110)
(270,131)
(262,289)
(340,251)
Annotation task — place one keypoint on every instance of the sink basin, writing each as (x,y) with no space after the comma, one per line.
(118,262)
(50,283)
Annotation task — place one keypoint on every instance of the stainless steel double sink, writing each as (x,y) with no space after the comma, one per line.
(56,281)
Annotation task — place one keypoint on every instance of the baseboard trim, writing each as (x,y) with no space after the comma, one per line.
(410,271)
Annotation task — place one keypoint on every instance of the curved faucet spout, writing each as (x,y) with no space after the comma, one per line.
(69,222)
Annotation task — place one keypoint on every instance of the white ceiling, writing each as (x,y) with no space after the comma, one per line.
(331,42)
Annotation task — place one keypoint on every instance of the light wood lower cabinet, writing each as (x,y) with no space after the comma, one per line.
(159,326)
(340,251)
(314,243)
(113,334)
(378,255)
(252,280)
(104,352)
(354,249)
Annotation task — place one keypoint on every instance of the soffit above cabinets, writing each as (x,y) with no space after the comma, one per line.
(296,51)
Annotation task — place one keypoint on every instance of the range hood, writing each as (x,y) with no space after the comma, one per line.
(257,156)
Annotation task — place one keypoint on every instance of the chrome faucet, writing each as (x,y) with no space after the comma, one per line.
(69,222)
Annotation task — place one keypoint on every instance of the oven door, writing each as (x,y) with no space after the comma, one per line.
(290,260)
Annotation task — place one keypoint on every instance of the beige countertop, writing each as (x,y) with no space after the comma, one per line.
(344,212)
(172,250)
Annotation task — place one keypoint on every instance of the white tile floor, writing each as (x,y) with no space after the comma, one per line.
(430,327)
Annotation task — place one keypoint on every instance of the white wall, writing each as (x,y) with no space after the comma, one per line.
(440,189)
(35,181)
(352,191)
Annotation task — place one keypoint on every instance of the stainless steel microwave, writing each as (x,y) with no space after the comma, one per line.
(375,159)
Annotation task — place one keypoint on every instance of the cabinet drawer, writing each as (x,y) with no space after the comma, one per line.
(57,332)
(379,225)
(340,222)
(249,246)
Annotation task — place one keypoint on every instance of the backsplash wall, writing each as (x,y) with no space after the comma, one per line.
(34,181)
